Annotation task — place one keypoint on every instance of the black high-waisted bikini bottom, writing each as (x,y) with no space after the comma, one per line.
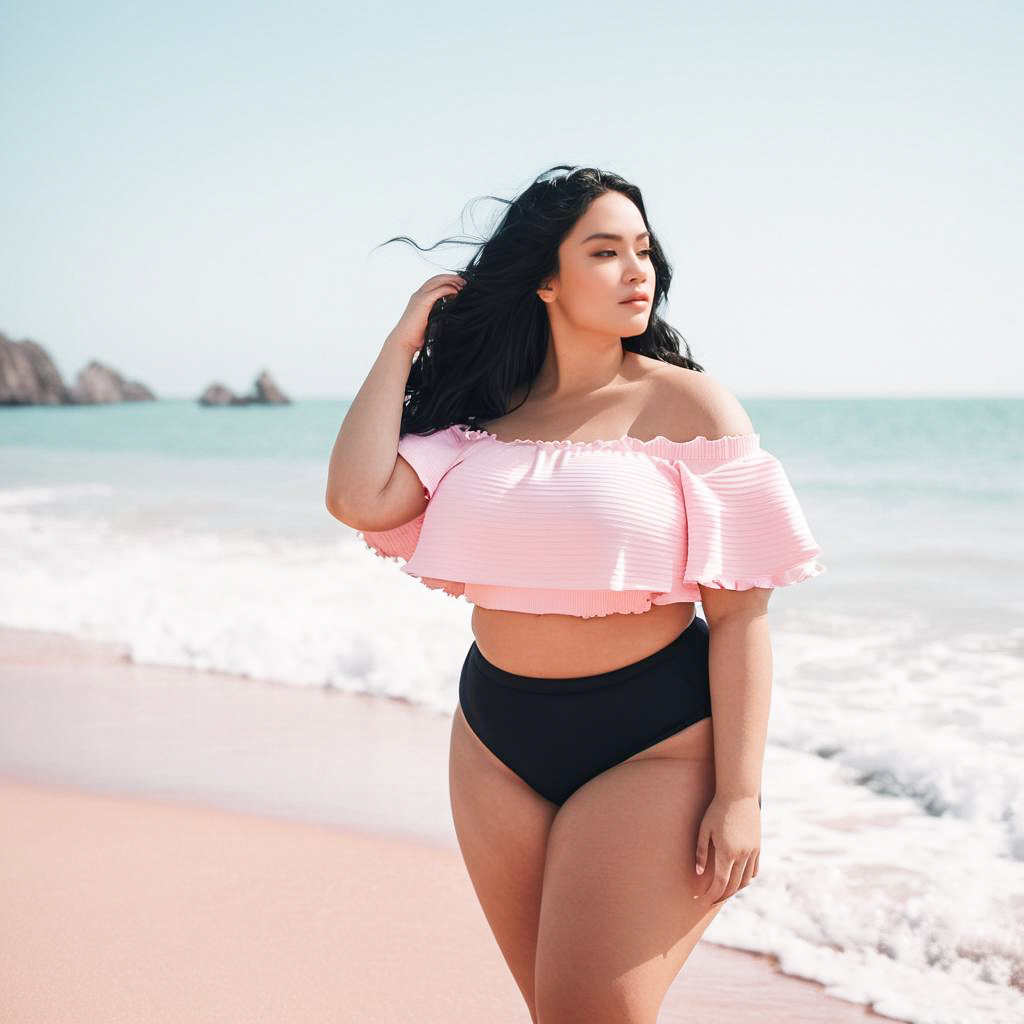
(558,733)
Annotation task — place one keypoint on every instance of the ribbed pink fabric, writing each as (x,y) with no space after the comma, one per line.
(595,527)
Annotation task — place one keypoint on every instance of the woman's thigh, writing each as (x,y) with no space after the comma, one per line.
(617,917)
(502,827)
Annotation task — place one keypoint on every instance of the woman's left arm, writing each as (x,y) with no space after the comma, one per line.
(743,511)
(740,667)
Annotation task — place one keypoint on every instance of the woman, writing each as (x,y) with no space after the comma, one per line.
(531,438)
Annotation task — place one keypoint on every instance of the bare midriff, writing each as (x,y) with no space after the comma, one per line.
(560,646)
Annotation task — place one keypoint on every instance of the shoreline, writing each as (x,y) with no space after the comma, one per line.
(184,846)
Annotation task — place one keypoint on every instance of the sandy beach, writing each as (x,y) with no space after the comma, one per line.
(190,846)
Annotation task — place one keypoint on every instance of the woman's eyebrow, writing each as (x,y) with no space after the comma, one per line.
(614,238)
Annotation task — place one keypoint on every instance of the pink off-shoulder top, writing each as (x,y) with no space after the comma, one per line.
(591,528)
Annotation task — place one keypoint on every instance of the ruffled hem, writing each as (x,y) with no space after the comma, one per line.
(729,446)
(440,585)
(445,586)
(379,552)
(797,574)
(592,615)
(461,595)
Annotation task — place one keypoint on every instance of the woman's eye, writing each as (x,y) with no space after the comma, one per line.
(611,252)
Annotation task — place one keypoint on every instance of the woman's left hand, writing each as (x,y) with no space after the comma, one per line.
(731,827)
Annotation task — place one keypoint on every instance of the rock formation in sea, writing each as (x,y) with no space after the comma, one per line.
(98,384)
(264,391)
(28,376)
(218,394)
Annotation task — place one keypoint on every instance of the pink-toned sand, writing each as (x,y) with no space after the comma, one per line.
(160,896)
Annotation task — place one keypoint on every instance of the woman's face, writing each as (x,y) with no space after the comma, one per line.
(596,275)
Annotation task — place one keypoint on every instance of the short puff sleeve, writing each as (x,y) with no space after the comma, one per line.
(745,526)
(431,456)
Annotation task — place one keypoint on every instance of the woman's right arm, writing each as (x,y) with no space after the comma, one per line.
(368,486)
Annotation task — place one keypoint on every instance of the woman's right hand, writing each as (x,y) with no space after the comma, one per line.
(410,331)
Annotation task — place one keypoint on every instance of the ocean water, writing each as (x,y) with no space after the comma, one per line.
(892,864)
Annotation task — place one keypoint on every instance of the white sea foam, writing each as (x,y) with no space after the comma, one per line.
(297,612)
(917,915)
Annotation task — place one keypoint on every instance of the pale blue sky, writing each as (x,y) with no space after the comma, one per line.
(191,192)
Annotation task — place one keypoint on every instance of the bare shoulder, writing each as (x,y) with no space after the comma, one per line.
(690,403)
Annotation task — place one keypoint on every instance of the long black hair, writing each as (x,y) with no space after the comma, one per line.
(487,342)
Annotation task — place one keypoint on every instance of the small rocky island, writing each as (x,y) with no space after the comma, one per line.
(264,392)
(29,376)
